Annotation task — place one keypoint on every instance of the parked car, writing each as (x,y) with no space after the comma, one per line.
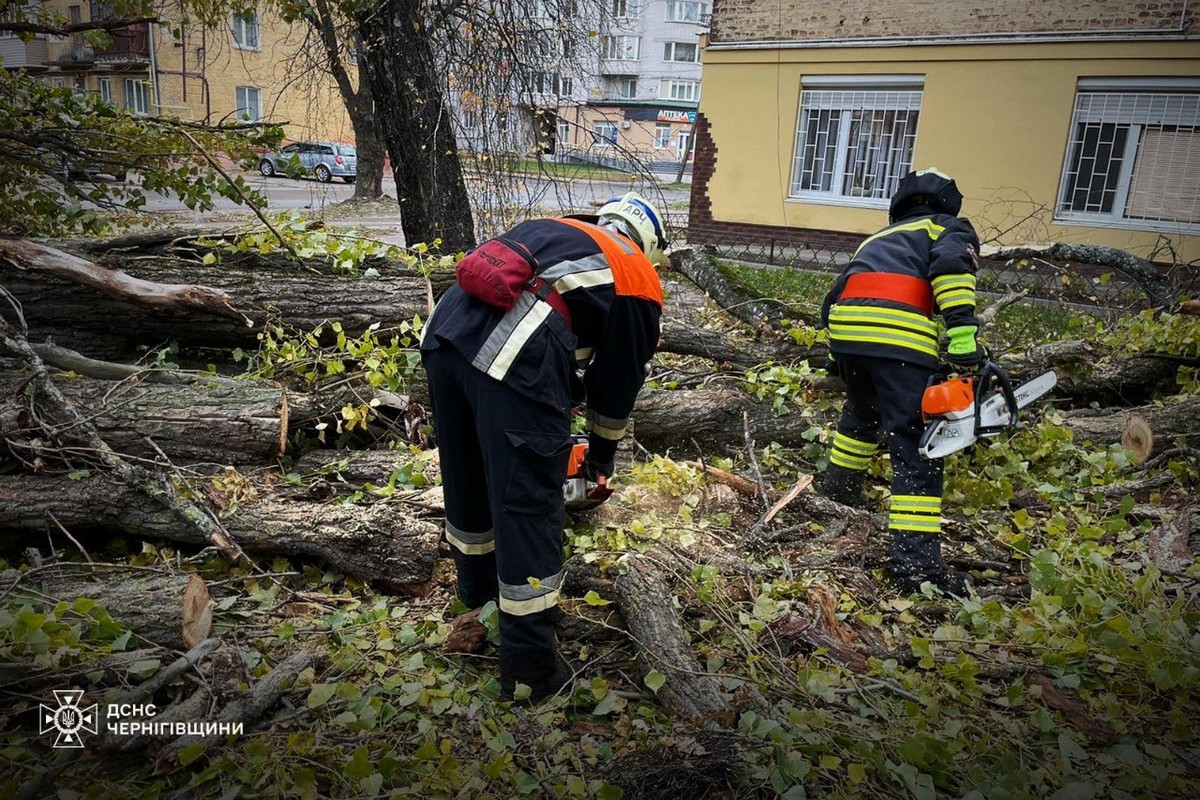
(322,160)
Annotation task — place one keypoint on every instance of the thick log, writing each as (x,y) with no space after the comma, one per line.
(1158,288)
(381,543)
(102,326)
(712,418)
(24,256)
(647,606)
(1105,426)
(232,422)
(687,340)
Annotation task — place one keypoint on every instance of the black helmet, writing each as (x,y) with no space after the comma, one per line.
(930,188)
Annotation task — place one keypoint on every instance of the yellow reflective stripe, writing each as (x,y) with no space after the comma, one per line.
(612,434)
(517,340)
(854,445)
(894,338)
(929,226)
(917,502)
(849,462)
(954,282)
(469,549)
(890,316)
(924,526)
(960,297)
(584,280)
(531,605)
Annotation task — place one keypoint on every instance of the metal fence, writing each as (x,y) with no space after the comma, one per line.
(1041,280)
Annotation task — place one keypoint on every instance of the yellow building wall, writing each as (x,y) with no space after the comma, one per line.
(305,100)
(997,117)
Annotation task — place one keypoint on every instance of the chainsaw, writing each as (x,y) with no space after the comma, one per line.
(580,493)
(961,410)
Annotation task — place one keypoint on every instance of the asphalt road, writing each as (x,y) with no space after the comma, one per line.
(289,193)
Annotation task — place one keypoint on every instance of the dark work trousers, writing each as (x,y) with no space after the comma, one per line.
(883,397)
(503,463)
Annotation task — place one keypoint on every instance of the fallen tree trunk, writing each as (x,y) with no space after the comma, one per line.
(1106,425)
(380,543)
(222,422)
(711,418)
(76,316)
(647,606)
(147,602)
(687,340)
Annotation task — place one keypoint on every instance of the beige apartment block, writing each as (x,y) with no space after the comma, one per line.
(249,66)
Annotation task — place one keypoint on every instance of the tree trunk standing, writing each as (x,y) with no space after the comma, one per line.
(368,140)
(328,23)
(406,81)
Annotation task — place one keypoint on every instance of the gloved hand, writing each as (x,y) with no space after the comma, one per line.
(592,470)
(963,350)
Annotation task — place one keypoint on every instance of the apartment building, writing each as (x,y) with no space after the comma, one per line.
(251,66)
(1062,121)
(641,100)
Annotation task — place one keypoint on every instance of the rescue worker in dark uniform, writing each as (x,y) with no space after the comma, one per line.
(503,384)
(884,344)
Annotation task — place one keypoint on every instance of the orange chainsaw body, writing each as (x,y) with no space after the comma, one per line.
(949,398)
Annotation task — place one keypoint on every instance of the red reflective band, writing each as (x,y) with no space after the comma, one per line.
(907,289)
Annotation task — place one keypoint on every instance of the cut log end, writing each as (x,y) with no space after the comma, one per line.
(1138,438)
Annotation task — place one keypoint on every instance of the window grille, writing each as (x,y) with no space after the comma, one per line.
(855,143)
(1133,156)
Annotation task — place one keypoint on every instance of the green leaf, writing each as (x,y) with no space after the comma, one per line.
(359,766)
(654,680)
(594,599)
(320,694)
(610,792)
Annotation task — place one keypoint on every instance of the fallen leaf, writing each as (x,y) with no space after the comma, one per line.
(1073,708)
(197,611)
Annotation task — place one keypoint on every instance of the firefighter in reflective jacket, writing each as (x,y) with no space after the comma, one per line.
(502,385)
(884,344)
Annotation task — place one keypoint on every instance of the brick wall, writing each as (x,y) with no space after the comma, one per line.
(748,20)
(702,228)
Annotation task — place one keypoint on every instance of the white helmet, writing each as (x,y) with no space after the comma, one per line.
(642,220)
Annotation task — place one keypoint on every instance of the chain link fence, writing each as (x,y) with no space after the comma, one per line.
(1088,286)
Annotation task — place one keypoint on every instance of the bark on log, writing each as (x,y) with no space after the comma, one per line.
(687,340)
(756,312)
(647,605)
(25,256)
(236,422)
(1105,426)
(712,417)
(1157,287)
(107,327)
(380,543)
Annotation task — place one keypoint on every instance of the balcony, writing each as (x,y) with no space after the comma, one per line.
(130,45)
(18,55)
(619,66)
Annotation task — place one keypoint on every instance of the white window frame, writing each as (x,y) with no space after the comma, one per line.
(620,47)
(682,90)
(847,95)
(662,136)
(603,139)
(1140,106)
(246,29)
(104,89)
(566,85)
(137,97)
(671,50)
(563,132)
(240,92)
(683,144)
(623,9)
(685,10)
(626,87)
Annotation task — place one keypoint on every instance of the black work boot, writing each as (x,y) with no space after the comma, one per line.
(541,689)
(844,486)
(951,582)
